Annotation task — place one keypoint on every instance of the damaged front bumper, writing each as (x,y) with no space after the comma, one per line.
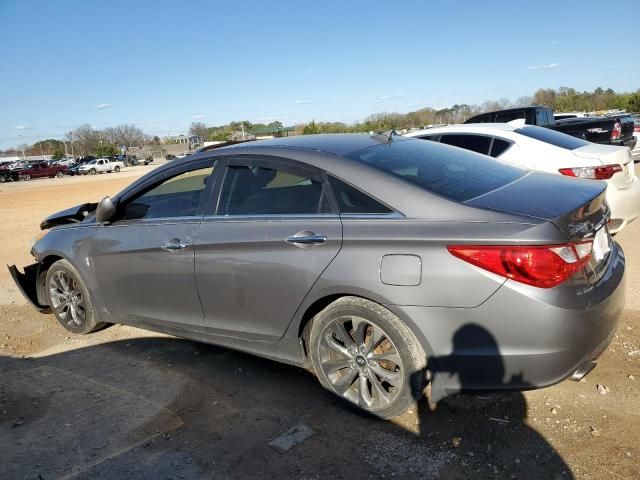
(27,282)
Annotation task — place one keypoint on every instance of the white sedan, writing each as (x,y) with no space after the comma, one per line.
(538,148)
(635,153)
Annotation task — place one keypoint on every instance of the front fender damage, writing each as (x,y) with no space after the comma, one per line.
(27,282)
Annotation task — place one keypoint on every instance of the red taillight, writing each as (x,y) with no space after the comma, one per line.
(616,133)
(541,266)
(636,128)
(604,172)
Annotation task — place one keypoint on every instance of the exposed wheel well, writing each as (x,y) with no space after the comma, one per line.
(304,329)
(45,264)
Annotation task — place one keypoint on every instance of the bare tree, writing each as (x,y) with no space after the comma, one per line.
(85,139)
(524,101)
(199,128)
(127,135)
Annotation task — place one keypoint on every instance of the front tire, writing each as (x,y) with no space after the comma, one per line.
(69,299)
(93,171)
(367,356)
(60,174)
(25,178)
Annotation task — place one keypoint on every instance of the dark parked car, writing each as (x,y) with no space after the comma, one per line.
(377,262)
(38,170)
(7,169)
(612,130)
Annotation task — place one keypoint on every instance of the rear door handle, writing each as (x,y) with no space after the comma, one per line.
(305,238)
(174,245)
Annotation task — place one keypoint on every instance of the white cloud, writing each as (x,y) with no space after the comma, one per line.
(270,119)
(23,127)
(303,102)
(198,116)
(103,106)
(388,97)
(544,67)
(415,104)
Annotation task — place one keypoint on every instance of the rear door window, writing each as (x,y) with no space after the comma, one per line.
(475,143)
(264,190)
(453,173)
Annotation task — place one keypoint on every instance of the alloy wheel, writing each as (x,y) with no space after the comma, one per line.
(67,299)
(361,362)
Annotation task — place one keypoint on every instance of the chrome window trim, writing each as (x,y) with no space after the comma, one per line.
(372,216)
(272,217)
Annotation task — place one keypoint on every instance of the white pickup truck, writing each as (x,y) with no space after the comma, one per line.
(100,165)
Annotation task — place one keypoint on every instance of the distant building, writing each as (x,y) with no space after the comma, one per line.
(28,158)
(191,141)
(273,132)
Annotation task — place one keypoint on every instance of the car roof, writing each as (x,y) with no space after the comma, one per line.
(462,127)
(331,152)
(339,144)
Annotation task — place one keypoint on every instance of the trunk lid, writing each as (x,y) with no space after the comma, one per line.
(576,207)
(627,123)
(609,155)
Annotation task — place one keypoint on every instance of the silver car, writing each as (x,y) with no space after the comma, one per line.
(379,263)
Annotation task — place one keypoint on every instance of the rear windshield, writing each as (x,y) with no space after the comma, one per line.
(552,137)
(452,172)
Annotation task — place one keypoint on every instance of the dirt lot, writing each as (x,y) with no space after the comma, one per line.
(125,403)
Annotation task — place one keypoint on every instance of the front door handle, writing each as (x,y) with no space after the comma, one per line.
(306,238)
(174,245)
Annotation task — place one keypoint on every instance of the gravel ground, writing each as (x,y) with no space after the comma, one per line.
(125,403)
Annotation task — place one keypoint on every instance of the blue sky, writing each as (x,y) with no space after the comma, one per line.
(163,65)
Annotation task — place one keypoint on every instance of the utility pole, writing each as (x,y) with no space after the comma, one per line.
(71,141)
(242,125)
(41,152)
(24,157)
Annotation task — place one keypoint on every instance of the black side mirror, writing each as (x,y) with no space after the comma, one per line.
(106,210)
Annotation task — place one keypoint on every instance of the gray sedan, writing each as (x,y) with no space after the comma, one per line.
(379,263)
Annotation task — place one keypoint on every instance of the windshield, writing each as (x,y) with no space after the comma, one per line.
(452,172)
(552,137)
(92,162)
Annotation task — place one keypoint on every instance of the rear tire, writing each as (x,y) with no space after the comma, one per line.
(69,299)
(117,168)
(368,357)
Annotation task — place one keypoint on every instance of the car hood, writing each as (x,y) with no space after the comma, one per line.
(70,215)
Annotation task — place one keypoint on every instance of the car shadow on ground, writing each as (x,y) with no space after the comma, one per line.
(162,407)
